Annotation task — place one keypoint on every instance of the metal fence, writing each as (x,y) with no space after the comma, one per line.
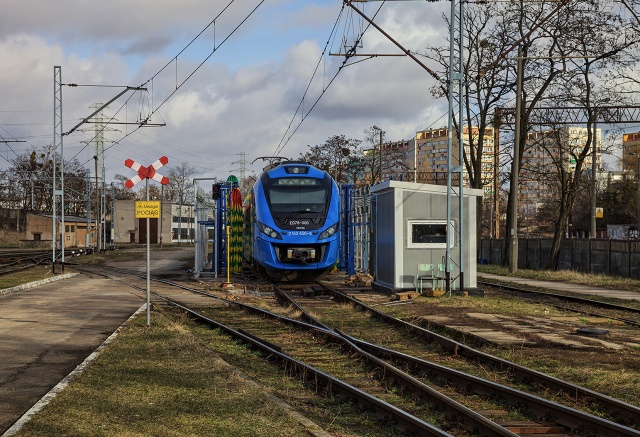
(598,256)
(355,212)
(361,228)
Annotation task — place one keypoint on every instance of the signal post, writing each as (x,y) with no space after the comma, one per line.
(147,209)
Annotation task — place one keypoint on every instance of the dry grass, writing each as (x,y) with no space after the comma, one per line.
(35,273)
(162,381)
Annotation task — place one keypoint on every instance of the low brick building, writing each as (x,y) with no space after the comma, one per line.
(39,231)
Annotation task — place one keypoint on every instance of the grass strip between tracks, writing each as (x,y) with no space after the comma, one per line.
(172,379)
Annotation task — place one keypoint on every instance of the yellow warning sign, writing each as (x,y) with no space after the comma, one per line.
(599,212)
(148,209)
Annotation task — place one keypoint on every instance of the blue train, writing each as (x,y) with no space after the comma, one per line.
(291,222)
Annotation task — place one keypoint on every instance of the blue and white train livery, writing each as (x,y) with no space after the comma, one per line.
(291,222)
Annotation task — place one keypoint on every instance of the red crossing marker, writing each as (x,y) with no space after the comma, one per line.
(146,172)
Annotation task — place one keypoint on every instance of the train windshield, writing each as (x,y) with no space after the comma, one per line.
(297,195)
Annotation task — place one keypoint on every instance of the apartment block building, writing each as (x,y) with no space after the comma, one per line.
(431,153)
(631,153)
(394,154)
(544,152)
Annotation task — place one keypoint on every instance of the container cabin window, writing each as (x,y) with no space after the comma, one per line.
(427,234)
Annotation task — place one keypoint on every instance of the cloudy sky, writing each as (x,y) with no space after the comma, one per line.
(224,94)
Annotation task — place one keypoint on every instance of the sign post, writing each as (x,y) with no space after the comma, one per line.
(147,209)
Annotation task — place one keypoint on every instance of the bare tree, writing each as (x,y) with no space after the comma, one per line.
(180,190)
(29,180)
(120,191)
(487,85)
(591,40)
(570,51)
(332,156)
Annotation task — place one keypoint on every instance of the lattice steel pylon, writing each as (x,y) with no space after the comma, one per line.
(242,168)
(99,164)
(456,76)
(58,168)
(98,139)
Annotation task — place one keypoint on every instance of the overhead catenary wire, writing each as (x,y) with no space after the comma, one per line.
(215,49)
(144,121)
(348,54)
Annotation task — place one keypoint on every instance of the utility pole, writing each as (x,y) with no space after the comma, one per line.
(97,215)
(456,75)
(594,175)
(112,245)
(456,98)
(243,167)
(495,208)
(101,194)
(515,168)
(98,157)
(161,212)
(58,135)
(87,238)
(638,199)
(380,153)
(58,168)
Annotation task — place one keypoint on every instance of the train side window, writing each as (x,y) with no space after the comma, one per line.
(428,234)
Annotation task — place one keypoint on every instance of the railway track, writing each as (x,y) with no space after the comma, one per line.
(445,376)
(274,338)
(619,411)
(239,321)
(12,262)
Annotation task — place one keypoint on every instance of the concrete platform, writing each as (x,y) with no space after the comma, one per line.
(48,330)
(564,286)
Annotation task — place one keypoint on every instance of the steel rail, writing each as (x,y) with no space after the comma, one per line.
(285,299)
(16,262)
(456,411)
(626,413)
(405,419)
(551,411)
(473,421)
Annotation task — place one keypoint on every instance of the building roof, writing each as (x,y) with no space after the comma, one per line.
(67,218)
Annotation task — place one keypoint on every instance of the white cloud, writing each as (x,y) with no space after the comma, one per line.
(241,100)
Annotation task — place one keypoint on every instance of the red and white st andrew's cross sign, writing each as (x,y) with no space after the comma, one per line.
(146,172)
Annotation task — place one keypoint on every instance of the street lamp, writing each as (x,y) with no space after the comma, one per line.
(381,132)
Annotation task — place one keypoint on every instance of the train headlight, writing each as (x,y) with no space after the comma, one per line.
(269,231)
(329,232)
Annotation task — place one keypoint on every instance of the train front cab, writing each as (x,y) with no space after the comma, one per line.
(290,241)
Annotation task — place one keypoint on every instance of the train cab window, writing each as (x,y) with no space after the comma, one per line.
(428,234)
(288,195)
